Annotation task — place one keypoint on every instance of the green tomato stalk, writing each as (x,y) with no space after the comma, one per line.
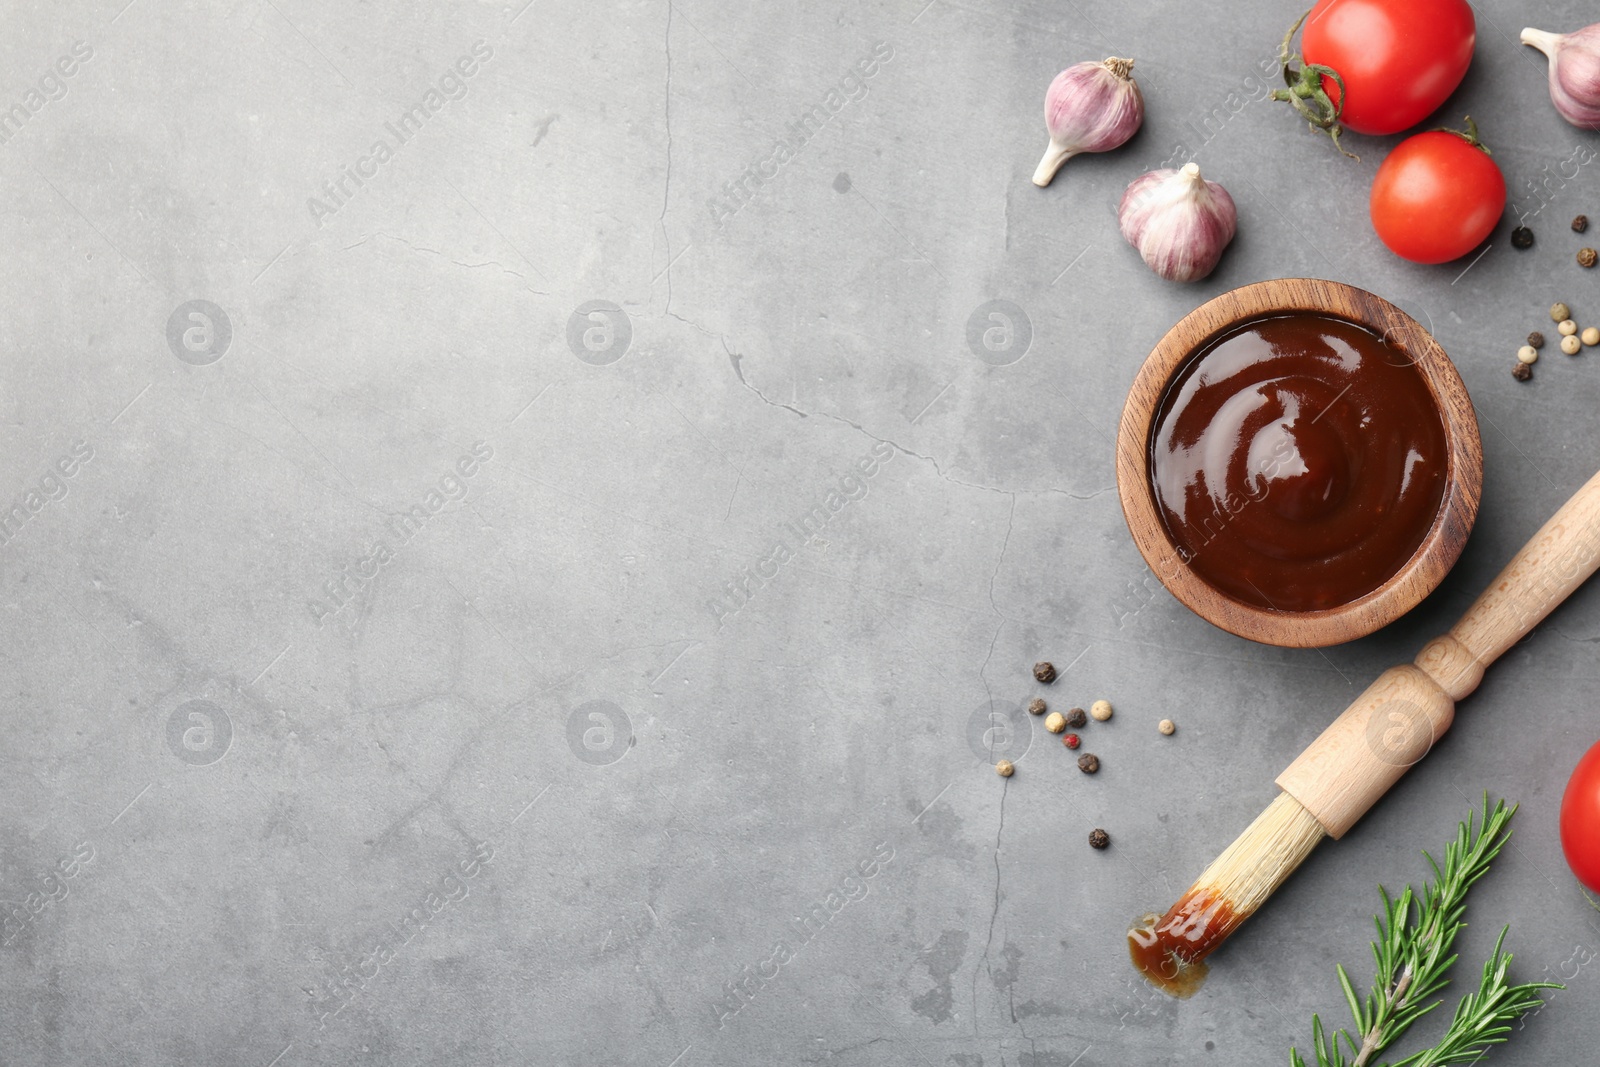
(1306,94)
(1469,135)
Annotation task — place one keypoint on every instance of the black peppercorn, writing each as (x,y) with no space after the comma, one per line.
(1076,718)
(1580,224)
(1088,763)
(1587,257)
(1099,839)
(1036,706)
(1536,339)
(1044,672)
(1522,371)
(1521,237)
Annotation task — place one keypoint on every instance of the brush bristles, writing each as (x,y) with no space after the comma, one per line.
(1170,949)
(1269,850)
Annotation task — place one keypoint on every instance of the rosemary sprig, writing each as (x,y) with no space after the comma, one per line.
(1415,935)
(1483,1018)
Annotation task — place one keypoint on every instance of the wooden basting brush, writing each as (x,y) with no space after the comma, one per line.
(1388,728)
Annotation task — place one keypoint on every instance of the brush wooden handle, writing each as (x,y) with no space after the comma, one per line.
(1398,718)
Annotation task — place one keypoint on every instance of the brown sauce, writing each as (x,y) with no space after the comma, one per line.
(1170,950)
(1298,462)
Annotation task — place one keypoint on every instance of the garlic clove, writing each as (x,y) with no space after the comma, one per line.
(1089,107)
(1179,222)
(1574,72)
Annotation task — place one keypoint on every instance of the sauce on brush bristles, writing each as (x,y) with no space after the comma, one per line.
(1170,950)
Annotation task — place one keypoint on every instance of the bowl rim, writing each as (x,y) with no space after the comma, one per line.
(1440,547)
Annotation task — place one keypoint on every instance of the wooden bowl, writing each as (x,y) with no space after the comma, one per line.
(1440,548)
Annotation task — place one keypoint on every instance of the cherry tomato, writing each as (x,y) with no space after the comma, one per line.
(1399,59)
(1437,196)
(1580,820)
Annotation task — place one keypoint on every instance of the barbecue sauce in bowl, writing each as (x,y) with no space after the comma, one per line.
(1298,461)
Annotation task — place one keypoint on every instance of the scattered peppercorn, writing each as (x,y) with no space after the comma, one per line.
(1522,372)
(1167,726)
(1587,257)
(1536,339)
(1521,237)
(1036,706)
(1072,740)
(1566,327)
(1559,312)
(1527,354)
(1088,763)
(1076,718)
(1101,710)
(1005,768)
(1055,722)
(1580,224)
(1591,336)
(1044,672)
(1570,345)
(1099,839)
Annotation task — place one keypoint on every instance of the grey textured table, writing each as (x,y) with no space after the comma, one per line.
(512,581)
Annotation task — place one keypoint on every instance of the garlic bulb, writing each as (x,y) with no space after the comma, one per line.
(1574,72)
(1089,107)
(1179,222)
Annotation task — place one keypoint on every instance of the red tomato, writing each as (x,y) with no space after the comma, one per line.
(1580,820)
(1399,59)
(1437,196)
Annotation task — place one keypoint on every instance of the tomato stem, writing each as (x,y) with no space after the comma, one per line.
(1469,135)
(1306,92)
